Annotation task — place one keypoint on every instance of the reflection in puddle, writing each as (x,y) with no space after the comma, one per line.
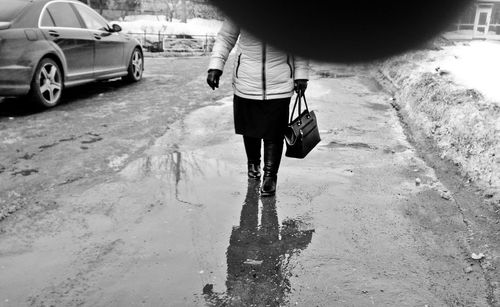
(259,256)
(182,175)
(161,166)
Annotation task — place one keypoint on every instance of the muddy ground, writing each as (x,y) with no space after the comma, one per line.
(452,124)
(137,196)
(98,129)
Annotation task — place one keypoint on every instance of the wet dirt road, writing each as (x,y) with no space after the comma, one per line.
(140,198)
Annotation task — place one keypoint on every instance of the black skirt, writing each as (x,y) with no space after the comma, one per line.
(264,119)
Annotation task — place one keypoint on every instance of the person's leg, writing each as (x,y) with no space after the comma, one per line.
(273,150)
(252,149)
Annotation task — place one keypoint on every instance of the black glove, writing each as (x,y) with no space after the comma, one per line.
(300,85)
(213,78)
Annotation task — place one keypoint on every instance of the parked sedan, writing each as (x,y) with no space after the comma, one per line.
(47,46)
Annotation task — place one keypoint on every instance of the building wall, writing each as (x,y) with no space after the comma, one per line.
(495,15)
(467,18)
(468,15)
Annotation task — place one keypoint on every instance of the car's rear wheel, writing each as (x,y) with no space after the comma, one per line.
(135,66)
(47,83)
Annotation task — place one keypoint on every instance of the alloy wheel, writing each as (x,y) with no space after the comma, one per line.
(137,63)
(49,83)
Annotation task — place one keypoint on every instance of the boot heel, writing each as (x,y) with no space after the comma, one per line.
(254,171)
(268,186)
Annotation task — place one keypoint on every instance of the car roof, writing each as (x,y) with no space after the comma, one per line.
(45,1)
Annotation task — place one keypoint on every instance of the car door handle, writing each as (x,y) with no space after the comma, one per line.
(97,36)
(53,33)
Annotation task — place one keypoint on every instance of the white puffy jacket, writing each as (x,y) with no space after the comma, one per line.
(260,71)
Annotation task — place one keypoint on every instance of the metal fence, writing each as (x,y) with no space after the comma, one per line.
(175,44)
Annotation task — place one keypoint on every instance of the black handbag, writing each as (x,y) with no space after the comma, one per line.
(302,134)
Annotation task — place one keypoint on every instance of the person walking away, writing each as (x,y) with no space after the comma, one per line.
(264,79)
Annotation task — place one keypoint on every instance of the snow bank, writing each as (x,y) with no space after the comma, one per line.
(449,96)
(474,64)
(139,24)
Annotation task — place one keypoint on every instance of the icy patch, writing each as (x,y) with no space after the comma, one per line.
(317,90)
(115,162)
(9,141)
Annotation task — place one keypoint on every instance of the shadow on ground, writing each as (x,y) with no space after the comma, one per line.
(259,253)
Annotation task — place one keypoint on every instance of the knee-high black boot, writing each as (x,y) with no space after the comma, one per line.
(252,149)
(272,158)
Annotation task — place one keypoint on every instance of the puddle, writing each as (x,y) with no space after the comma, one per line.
(27,156)
(378,106)
(357,130)
(183,174)
(71,180)
(92,140)
(94,137)
(25,172)
(329,131)
(372,84)
(355,145)
(165,166)
(67,139)
(260,255)
(47,146)
(157,76)
(397,148)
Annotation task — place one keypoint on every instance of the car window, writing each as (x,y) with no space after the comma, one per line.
(63,15)
(11,8)
(91,19)
(47,20)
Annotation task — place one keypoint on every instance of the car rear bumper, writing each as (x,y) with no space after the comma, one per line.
(15,80)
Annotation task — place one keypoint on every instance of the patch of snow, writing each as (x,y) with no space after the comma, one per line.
(474,64)
(145,18)
(151,24)
(10,141)
(451,95)
(115,162)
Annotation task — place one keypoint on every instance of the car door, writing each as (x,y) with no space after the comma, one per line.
(109,45)
(60,23)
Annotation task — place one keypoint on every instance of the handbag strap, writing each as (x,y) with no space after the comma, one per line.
(298,102)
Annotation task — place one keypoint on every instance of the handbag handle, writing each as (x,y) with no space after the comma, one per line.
(298,101)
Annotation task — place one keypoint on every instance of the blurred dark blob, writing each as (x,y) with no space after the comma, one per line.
(344,31)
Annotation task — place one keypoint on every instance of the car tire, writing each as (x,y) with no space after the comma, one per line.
(47,84)
(135,66)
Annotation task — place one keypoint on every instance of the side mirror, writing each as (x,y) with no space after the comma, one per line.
(116,28)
